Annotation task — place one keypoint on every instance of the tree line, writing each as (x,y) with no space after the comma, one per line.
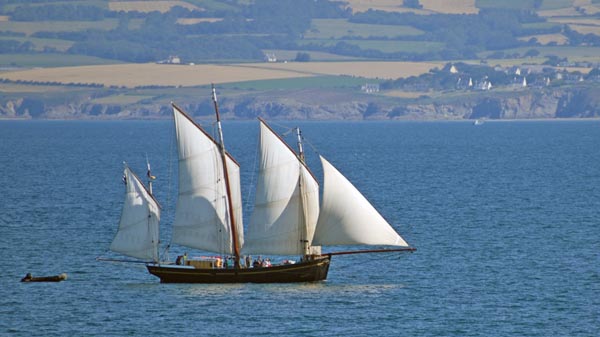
(277,24)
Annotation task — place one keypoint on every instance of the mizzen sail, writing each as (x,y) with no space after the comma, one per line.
(202,211)
(138,228)
(286,204)
(347,217)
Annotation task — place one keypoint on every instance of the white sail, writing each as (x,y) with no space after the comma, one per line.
(286,204)
(347,217)
(138,228)
(201,216)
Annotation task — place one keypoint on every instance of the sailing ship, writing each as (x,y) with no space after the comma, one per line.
(287,219)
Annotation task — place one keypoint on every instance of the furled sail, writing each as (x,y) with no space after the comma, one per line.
(201,215)
(347,217)
(138,228)
(286,204)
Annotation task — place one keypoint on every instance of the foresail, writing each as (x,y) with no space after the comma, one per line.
(347,217)
(138,228)
(201,214)
(286,202)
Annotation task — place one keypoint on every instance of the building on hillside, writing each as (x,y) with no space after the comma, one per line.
(270,57)
(370,88)
(484,85)
(173,59)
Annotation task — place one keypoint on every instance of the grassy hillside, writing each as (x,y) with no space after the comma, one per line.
(108,52)
(200,31)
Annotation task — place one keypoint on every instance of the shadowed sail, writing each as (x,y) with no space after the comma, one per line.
(137,235)
(286,204)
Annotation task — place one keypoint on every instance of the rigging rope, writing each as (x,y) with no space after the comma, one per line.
(289,130)
(314,148)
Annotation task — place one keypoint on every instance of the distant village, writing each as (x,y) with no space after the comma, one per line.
(463,76)
(481,77)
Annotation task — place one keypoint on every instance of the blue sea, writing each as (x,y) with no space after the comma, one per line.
(505,217)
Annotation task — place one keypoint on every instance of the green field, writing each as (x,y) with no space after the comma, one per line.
(120,99)
(572,53)
(298,83)
(50,60)
(56,26)
(509,4)
(41,44)
(338,28)
(212,4)
(556,4)
(98,3)
(386,46)
(289,55)
(540,25)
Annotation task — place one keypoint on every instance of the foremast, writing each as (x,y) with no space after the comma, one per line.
(236,246)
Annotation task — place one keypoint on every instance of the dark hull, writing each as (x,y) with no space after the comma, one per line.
(57,278)
(308,271)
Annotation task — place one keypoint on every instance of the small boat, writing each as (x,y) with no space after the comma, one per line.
(56,278)
(287,219)
(478,122)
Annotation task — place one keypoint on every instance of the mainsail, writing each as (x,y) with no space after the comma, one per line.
(347,217)
(286,203)
(202,211)
(138,228)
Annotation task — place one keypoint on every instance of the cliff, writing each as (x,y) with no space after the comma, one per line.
(562,102)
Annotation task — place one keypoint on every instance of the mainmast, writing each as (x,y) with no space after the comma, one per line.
(300,149)
(302,224)
(236,248)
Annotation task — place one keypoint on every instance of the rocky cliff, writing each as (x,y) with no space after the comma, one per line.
(564,102)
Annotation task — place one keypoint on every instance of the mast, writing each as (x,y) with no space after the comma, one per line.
(150,176)
(236,248)
(300,149)
(302,223)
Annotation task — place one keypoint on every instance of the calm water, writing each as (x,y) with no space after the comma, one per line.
(505,216)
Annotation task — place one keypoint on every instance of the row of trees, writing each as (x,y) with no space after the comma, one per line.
(60,12)
(464,35)
(278,24)
(14,46)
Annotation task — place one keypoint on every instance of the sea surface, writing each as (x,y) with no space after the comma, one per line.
(505,217)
